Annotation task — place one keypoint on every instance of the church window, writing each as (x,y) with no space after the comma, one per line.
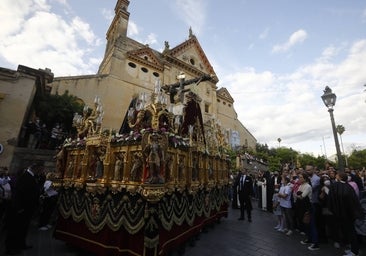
(218,100)
(156,74)
(145,70)
(229,105)
(224,102)
(132,65)
(207,108)
(191,60)
(146,58)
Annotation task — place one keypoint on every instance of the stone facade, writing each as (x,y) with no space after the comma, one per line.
(18,88)
(129,68)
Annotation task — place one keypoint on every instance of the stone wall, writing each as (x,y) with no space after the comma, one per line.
(23,157)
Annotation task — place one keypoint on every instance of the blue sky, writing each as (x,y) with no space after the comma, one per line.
(274,57)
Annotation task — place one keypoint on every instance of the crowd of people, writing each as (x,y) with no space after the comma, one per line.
(22,196)
(38,136)
(323,205)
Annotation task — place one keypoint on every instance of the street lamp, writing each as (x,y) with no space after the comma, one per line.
(329,99)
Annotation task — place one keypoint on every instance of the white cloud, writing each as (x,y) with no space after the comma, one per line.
(297,37)
(328,53)
(270,105)
(14,12)
(132,30)
(83,29)
(40,38)
(108,14)
(193,13)
(290,107)
(151,39)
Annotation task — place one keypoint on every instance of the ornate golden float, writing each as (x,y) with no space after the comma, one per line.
(149,188)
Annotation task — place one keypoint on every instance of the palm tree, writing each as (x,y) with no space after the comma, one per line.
(340,130)
(279,142)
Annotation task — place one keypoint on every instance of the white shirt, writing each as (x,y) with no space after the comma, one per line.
(286,201)
(306,190)
(48,189)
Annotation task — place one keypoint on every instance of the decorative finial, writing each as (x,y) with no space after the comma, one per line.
(190,32)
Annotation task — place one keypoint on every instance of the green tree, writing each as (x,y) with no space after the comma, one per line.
(278,157)
(340,130)
(279,142)
(357,159)
(287,155)
(55,108)
(274,163)
(232,155)
(263,148)
(309,159)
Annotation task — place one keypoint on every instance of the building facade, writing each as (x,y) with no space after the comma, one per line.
(18,89)
(127,69)
(130,67)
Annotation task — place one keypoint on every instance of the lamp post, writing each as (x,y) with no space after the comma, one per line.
(329,99)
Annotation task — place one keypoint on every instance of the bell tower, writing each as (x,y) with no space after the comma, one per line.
(119,24)
(117,30)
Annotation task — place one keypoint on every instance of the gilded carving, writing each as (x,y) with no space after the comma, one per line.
(118,166)
(137,167)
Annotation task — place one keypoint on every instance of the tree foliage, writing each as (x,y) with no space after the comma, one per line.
(277,158)
(357,159)
(340,129)
(54,108)
(319,161)
(280,157)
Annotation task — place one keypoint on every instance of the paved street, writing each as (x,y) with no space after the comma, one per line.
(229,237)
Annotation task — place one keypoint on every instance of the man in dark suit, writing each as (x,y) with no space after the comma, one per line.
(273,180)
(244,184)
(24,203)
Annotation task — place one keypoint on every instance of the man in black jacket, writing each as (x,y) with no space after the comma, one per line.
(244,184)
(24,203)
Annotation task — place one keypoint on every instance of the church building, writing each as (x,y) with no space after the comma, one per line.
(130,67)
